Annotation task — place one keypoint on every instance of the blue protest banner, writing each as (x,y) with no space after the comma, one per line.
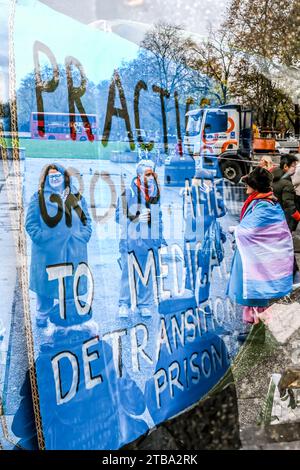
(121,325)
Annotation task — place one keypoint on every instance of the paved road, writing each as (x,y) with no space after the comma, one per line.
(13,358)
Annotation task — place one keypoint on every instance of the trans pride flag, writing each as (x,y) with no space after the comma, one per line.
(265,246)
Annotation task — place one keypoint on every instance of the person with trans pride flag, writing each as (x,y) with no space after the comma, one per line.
(262,266)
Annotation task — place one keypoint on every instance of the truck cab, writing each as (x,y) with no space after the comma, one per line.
(220,139)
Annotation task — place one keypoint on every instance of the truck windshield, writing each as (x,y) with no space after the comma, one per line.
(194,124)
(216,121)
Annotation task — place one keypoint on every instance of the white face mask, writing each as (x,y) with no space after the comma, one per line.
(151,185)
(150,180)
(291,170)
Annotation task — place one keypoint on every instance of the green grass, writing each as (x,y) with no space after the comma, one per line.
(52,149)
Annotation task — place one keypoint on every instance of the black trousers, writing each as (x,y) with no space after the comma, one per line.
(296,267)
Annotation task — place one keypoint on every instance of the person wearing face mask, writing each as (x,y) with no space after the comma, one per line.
(285,192)
(296,183)
(59,226)
(139,215)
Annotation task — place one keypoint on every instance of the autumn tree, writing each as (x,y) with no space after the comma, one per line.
(264,35)
(163,64)
(215,58)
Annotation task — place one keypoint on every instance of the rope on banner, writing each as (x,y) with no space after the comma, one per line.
(21,235)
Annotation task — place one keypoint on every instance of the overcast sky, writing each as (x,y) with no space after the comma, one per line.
(195,15)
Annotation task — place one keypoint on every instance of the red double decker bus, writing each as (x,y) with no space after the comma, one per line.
(63,126)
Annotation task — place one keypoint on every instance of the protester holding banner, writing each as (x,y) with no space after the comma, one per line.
(262,267)
(59,226)
(204,238)
(139,214)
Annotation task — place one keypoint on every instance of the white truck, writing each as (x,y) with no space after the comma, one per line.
(220,137)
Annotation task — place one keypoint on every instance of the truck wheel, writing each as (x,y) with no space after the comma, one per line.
(231,170)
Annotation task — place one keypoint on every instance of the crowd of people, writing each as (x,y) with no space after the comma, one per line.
(264,266)
(286,188)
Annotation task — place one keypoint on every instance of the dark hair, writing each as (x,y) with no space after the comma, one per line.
(259,179)
(287,159)
(45,172)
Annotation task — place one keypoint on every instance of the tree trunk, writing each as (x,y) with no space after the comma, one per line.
(297,120)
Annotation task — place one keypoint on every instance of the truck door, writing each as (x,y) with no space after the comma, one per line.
(246,133)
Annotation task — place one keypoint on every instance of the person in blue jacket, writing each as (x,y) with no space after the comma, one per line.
(204,237)
(59,226)
(139,214)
